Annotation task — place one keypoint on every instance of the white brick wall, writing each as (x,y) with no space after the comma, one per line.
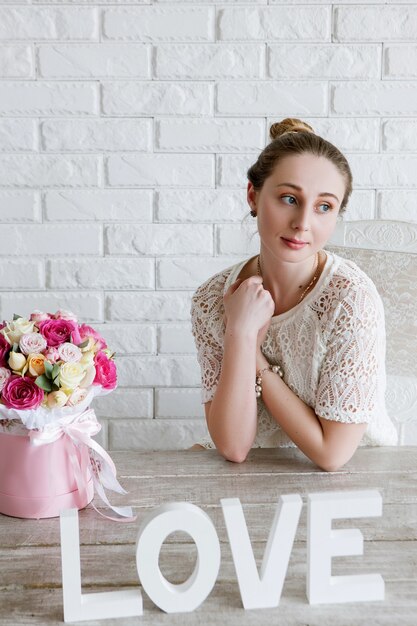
(126,129)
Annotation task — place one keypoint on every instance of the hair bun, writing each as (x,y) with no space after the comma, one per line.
(289,125)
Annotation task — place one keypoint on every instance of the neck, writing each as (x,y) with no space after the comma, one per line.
(287,281)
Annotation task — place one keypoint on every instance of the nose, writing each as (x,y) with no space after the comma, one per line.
(301,220)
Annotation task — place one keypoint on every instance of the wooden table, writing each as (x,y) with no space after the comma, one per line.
(30,569)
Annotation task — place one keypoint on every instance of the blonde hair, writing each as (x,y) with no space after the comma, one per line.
(292,136)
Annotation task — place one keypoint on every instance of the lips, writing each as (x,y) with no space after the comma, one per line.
(297,241)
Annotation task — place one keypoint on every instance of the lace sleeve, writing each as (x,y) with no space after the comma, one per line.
(352,377)
(208,330)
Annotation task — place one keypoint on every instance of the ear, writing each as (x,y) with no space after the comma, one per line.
(252,196)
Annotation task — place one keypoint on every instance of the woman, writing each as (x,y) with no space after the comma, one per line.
(291,343)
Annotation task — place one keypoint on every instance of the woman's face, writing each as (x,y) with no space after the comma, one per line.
(298,205)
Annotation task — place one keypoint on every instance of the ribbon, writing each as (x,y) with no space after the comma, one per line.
(78,430)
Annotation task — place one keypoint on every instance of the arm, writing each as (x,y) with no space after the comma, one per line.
(328,444)
(232,414)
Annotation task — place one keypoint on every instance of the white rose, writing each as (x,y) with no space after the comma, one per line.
(90,375)
(17,361)
(32,343)
(69,353)
(4,376)
(70,375)
(57,399)
(14,330)
(77,396)
(87,359)
(62,314)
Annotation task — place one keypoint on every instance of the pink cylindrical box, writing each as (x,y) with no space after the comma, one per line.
(38,481)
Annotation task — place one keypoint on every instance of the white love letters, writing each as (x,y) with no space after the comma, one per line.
(258,590)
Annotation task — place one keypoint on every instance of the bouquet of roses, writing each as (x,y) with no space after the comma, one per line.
(51,361)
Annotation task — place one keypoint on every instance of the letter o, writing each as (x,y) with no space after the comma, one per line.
(166,519)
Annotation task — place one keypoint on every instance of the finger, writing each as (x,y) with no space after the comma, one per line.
(233,287)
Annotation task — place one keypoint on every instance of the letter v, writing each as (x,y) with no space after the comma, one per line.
(264,590)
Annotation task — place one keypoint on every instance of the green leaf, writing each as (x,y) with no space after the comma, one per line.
(43,383)
(16,317)
(15,347)
(49,368)
(82,345)
(55,387)
(55,371)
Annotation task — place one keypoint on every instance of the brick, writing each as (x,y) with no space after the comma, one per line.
(202,61)
(115,273)
(231,170)
(158,371)
(239,240)
(216,135)
(159,24)
(48,23)
(22,275)
(176,339)
(99,205)
(148,306)
(370,98)
(179,170)
(157,98)
(94,61)
(348,134)
(159,239)
(400,61)
(18,135)
(186,273)
(48,99)
(19,206)
(399,135)
(129,338)
(361,206)
(274,23)
(156,434)
(375,23)
(16,62)
(201,205)
(87,306)
(178,403)
(125,403)
(42,239)
(47,170)
(397,204)
(96,135)
(272,98)
(384,170)
(324,61)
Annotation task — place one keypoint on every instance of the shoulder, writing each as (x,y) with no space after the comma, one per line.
(209,295)
(348,281)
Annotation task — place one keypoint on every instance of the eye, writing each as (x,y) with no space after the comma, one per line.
(326,207)
(289,199)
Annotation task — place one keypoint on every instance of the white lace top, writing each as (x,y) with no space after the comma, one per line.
(331,347)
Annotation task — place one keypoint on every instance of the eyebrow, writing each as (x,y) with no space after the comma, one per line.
(324,193)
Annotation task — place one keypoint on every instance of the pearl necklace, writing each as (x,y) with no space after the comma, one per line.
(318,269)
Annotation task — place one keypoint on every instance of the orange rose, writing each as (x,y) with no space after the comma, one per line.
(36,364)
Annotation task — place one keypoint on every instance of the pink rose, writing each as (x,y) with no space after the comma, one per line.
(86,332)
(21,392)
(106,375)
(4,350)
(39,316)
(56,331)
(52,355)
(32,343)
(69,353)
(65,315)
(4,376)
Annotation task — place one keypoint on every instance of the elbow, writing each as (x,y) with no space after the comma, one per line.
(331,465)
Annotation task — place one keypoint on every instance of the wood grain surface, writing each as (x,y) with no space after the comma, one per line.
(30,568)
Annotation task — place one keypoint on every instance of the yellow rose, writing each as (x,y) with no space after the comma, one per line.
(90,375)
(90,344)
(87,359)
(17,361)
(36,364)
(56,399)
(70,375)
(14,330)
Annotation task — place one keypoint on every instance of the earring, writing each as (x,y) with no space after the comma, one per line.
(253,213)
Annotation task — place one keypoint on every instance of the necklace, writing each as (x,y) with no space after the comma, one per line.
(318,265)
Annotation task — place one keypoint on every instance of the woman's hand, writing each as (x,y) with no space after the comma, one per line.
(249,307)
